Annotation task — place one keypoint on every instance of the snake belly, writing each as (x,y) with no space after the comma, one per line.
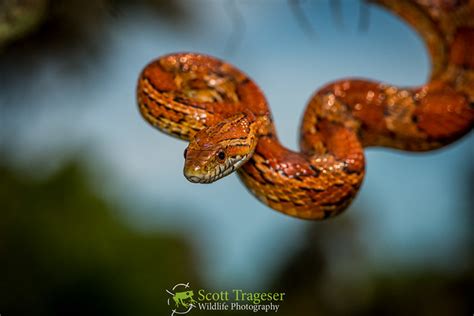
(209,103)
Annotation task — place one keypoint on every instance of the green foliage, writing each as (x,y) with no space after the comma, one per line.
(64,251)
(18,18)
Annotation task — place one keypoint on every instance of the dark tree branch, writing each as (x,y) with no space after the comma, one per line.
(364,16)
(303,22)
(238,26)
(336,12)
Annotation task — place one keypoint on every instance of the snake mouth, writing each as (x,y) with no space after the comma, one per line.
(193,179)
(196,175)
(205,178)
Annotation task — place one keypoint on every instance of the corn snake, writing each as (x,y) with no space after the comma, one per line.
(226,119)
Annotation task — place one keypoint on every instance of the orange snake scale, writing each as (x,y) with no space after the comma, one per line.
(226,119)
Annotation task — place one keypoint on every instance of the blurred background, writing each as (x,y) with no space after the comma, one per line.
(96,217)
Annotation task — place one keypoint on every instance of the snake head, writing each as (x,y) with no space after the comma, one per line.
(220,149)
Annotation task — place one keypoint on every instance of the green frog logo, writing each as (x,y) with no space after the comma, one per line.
(181,300)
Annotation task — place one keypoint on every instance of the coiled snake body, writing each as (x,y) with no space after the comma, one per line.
(226,119)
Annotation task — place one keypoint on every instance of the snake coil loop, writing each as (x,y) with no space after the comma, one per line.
(226,119)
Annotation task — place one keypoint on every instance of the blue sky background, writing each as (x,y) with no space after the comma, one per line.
(406,208)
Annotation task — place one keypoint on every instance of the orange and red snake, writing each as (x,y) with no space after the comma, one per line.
(227,121)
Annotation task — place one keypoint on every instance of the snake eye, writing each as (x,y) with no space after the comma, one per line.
(221,155)
(185,152)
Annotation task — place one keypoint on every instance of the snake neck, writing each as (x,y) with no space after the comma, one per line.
(317,183)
